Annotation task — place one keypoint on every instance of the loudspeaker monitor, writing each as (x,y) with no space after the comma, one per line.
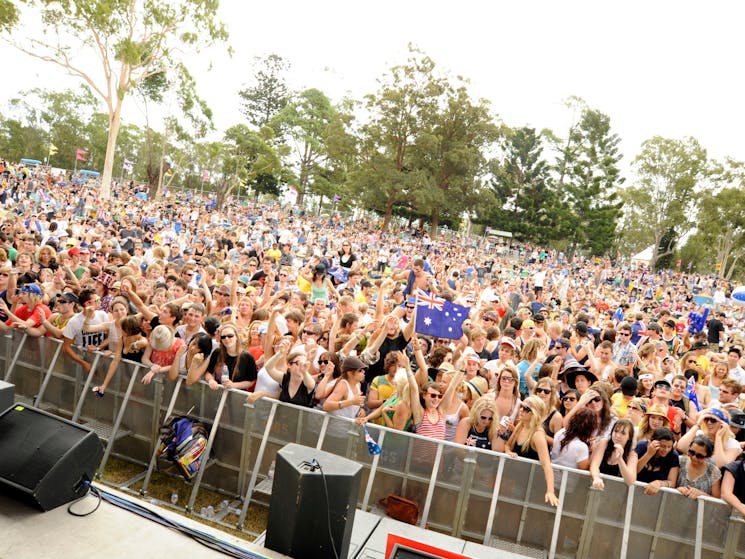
(299,510)
(45,461)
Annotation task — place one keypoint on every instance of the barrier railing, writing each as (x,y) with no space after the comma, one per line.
(466,492)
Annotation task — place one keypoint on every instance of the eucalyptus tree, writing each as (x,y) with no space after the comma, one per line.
(112,46)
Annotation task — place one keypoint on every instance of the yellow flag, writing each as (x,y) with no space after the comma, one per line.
(52,149)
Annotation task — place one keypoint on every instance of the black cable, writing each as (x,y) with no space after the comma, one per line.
(206,540)
(91,489)
(315,463)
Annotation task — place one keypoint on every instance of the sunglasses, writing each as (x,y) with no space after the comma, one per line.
(4,274)
(526,409)
(309,333)
(433,395)
(410,307)
(225,336)
(323,361)
(508,379)
(693,453)
(624,334)
(543,391)
(596,399)
(488,319)
(487,418)
(569,399)
(711,420)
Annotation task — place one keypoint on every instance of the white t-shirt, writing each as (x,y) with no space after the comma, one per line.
(572,454)
(74,329)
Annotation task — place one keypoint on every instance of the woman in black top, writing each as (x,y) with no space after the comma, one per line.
(296,384)
(658,464)
(615,456)
(733,484)
(347,259)
(478,429)
(229,365)
(528,440)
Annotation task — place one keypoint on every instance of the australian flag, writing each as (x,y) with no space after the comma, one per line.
(438,317)
(690,393)
(372,446)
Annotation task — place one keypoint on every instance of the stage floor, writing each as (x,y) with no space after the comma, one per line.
(111,532)
(115,533)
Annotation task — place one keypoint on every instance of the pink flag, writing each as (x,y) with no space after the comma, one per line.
(205,176)
(80,154)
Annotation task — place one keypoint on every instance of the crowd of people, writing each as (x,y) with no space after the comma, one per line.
(591,364)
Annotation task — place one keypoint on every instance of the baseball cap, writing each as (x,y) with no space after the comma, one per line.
(31,288)
(352,364)
(68,297)
(663,382)
(699,345)
(628,386)
(737,418)
(719,414)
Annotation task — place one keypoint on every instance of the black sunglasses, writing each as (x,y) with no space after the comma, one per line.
(323,361)
(543,391)
(224,336)
(693,453)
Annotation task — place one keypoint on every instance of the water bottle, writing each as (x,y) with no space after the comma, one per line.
(174,498)
(210,513)
(224,374)
(270,473)
(224,506)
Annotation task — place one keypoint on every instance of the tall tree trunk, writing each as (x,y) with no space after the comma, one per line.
(388,213)
(108,165)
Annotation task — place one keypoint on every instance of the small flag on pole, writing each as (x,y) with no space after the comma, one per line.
(52,149)
(80,154)
(372,446)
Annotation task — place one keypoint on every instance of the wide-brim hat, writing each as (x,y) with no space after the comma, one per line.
(571,374)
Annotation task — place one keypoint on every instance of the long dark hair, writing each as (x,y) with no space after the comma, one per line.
(331,356)
(629,444)
(581,426)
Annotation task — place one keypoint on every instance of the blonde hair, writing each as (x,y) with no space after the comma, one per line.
(544,382)
(485,403)
(535,422)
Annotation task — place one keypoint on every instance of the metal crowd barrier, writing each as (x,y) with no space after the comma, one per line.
(466,492)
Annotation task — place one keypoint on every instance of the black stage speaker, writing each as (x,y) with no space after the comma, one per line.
(298,523)
(44,460)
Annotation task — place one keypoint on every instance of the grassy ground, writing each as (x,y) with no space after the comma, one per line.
(163,485)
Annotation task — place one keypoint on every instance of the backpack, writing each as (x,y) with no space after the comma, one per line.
(182,441)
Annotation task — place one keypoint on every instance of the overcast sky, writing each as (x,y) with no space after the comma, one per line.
(656,68)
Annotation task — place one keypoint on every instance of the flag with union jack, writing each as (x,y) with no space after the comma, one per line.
(438,317)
